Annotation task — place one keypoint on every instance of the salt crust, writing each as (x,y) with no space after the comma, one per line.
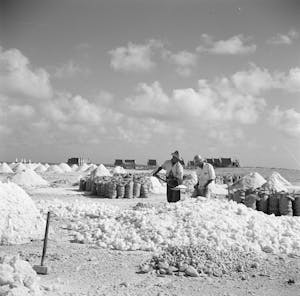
(20,221)
(219,223)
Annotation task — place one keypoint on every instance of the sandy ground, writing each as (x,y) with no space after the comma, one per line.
(77,269)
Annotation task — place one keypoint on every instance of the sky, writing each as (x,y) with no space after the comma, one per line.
(139,79)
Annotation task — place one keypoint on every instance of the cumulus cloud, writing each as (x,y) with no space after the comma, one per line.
(184,61)
(17,77)
(284,39)
(286,121)
(134,57)
(236,45)
(70,69)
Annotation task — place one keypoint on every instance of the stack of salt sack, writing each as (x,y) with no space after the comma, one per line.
(40,168)
(119,170)
(4,168)
(29,178)
(66,168)
(19,167)
(54,169)
(20,221)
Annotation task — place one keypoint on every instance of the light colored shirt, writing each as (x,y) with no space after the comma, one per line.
(176,169)
(206,173)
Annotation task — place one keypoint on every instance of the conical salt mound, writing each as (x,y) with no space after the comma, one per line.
(12,165)
(90,168)
(83,168)
(100,171)
(54,169)
(74,167)
(277,183)
(4,168)
(119,170)
(29,178)
(250,181)
(19,168)
(46,165)
(66,168)
(20,221)
(40,168)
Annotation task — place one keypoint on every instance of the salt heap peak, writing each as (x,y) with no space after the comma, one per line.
(100,171)
(277,183)
(83,168)
(90,168)
(251,181)
(54,169)
(18,278)
(19,167)
(66,168)
(119,170)
(40,168)
(29,178)
(20,221)
(4,168)
(46,165)
(74,167)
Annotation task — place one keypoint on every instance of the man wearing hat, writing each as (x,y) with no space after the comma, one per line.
(174,174)
(205,176)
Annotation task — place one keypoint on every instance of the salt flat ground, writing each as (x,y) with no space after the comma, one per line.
(81,269)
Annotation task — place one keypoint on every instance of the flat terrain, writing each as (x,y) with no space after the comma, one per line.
(82,269)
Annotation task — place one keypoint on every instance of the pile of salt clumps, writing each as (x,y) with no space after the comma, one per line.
(17,278)
(220,224)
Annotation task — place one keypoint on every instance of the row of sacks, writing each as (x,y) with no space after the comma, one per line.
(277,203)
(127,186)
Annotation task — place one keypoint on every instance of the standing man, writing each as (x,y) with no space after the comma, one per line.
(174,174)
(205,176)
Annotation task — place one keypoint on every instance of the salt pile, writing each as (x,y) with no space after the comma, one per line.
(83,168)
(250,181)
(19,167)
(100,171)
(12,165)
(54,169)
(221,224)
(40,168)
(4,168)
(119,170)
(277,183)
(90,168)
(20,221)
(17,278)
(66,168)
(156,187)
(46,165)
(74,167)
(29,178)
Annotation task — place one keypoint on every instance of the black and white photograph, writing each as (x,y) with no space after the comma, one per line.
(149,148)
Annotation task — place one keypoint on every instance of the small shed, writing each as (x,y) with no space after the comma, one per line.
(152,163)
(129,164)
(119,162)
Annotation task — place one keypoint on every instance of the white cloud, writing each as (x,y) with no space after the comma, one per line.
(236,45)
(18,79)
(183,60)
(134,57)
(285,39)
(287,121)
(70,69)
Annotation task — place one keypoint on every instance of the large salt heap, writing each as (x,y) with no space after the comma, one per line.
(20,221)
(100,171)
(29,178)
(54,169)
(40,168)
(90,168)
(119,170)
(74,167)
(83,168)
(66,168)
(250,181)
(17,278)
(4,168)
(19,167)
(277,183)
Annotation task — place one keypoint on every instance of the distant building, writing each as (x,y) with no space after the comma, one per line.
(119,162)
(152,163)
(129,164)
(77,160)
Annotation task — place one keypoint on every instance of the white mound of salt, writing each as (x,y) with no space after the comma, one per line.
(83,168)
(277,183)
(54,169)
(12,165)
(4,168)
(66,168)
(46,165)
(40,168)
(74,167)
(156,187)
(100,171)
(251,181)
(19,167)
(20,221)
(29,178)
(17,278)
(119,170)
